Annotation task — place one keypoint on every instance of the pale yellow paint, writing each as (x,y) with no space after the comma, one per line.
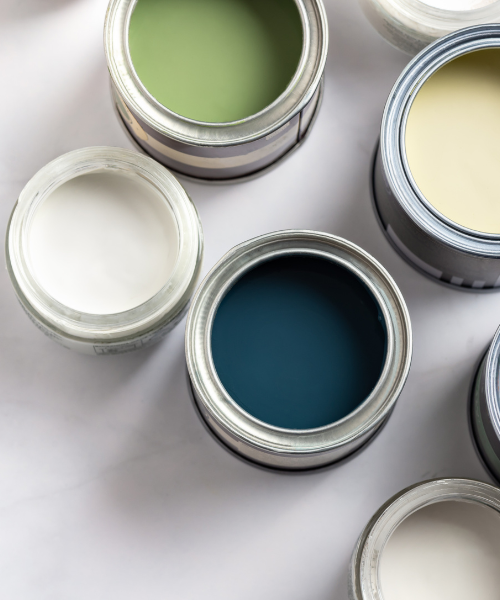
(453,140)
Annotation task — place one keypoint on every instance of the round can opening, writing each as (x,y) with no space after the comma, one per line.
(215,61)
(299,342)
(104,242)
(451,141)
(447,550)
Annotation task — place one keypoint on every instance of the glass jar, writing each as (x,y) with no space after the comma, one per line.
(105,333)
(280,446)
(364,575)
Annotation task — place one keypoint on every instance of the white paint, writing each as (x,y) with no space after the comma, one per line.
(103,243)
(445,551)
(457,4)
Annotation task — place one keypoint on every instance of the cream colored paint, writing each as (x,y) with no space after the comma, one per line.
(103,243)
(452,140)
(445,551)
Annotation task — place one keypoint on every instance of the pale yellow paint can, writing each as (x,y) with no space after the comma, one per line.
(453,140)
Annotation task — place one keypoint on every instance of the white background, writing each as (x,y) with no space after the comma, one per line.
(110,487)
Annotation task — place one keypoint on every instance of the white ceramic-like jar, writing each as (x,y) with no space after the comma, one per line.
(410,25)
(104,249)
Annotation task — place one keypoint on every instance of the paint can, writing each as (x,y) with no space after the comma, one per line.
(485,408)
(411,25)
(365,568)
(218,152)
(130,329)
(429,241)
(251,437)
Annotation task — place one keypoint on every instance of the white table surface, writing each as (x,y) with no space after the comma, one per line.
(110,487)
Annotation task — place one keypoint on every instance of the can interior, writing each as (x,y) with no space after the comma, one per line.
(299,342)
(103,242)
(446,550)
(216,61)
(450,141)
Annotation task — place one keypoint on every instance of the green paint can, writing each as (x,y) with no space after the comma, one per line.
(216,89)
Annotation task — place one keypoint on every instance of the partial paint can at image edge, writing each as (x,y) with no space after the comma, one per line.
(218,152)
(484,412)
(367,574)
(432,243)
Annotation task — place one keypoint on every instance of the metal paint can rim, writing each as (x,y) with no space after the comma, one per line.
(276,444)
(395,164)
(298,94)
(234,180)
(364,569)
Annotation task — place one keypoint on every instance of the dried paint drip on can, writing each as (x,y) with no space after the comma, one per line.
(104,250)
(298,345)
(435,540)
(485,408)
(410,25)
(299,342)
(247,80)
(434,172)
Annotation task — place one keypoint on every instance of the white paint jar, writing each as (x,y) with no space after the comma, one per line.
(438,540)
(410,25)
(104,249)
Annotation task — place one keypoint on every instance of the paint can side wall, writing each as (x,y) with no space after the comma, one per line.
(214,163)
(423,251)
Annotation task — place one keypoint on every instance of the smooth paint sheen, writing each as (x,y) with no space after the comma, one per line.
(452,140)
(299,342)
(458,4)
(216,60)
(103,243)
(445,551)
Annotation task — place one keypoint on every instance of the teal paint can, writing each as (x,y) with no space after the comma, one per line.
(298,345)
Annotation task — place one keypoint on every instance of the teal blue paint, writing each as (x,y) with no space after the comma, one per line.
(299,342)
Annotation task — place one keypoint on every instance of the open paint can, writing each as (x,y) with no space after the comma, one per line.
(410,25)
(438,540)
(216,89)
(485,408)
(298,344)
(104,250)
(435,176)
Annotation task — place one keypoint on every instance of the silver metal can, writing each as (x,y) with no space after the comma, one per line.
(218,151)
(485,408)
(256,440)
(104,334)
(431,243)
(364,574)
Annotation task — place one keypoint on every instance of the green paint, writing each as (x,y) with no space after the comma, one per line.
(216,60)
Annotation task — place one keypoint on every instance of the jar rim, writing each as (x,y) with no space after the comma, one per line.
(166,302)
(364,577)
